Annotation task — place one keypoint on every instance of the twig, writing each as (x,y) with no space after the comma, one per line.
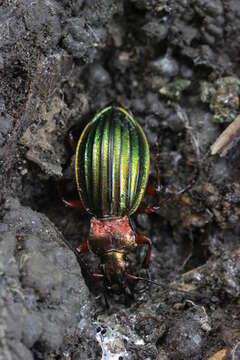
(228,139)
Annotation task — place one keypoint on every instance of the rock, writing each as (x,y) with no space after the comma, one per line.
(223,97)
(32,329)
(43,18)
(51,120)
(78,41)
(156,106)
(37,267)
(117,32)
(150,328)
(156,30)
(1,62)
(165,66)
(6,125)
(12,28)
(186,72)
(186,339)
(18,351)
(222,273)
(98,76)
(202,131)
(83,35)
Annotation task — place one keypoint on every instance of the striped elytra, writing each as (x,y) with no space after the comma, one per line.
(112,164)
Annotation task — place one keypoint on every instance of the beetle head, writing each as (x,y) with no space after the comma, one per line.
(114,268)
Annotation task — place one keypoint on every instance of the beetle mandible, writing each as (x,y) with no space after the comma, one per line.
(111,169)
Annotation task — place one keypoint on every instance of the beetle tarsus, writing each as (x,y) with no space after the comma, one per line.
(74,204)
(83,248)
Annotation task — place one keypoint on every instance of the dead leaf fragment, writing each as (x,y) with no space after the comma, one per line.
(220,355)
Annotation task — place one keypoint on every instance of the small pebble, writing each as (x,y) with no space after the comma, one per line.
(165,66)
(98,75)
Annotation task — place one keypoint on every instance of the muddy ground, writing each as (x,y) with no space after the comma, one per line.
(175,65)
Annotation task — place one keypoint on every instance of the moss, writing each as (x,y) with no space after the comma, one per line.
(223,98)
(174,90)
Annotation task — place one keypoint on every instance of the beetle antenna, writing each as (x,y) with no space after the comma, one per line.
(167,287)
(153,282)
(133,277)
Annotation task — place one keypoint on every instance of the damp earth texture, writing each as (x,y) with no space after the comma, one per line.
(174,65)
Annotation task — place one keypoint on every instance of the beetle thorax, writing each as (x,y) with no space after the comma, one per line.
(111,235)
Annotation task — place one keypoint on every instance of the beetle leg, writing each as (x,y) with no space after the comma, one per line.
(74,204)
(151,189)
(144,240)
(71,141)
(147,209)
(83,248)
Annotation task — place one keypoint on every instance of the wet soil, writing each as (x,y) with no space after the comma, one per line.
(163,60)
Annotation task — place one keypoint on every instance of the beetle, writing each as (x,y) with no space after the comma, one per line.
(111,171)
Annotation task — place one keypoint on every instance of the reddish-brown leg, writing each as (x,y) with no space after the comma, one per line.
(71,141)
(74,204)
(146,209)
(151,189)
(144,240)
(83,248)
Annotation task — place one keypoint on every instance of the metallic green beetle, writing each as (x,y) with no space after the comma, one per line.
(112,166)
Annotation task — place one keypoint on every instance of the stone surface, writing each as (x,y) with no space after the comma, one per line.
(43,293)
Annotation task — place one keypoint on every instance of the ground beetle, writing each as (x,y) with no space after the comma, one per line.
(111,168)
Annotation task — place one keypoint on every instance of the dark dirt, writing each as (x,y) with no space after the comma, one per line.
(60,63)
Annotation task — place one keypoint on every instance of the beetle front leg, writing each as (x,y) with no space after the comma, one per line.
(83,248)
(74,204)
(144,240)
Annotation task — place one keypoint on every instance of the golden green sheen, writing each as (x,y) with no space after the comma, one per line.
(112,164)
